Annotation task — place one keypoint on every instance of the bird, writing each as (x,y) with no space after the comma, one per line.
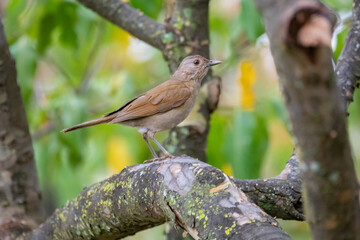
(162,107)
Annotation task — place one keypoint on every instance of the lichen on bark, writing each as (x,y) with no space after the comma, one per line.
(191,194)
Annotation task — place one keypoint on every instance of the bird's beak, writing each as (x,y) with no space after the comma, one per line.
(213,62)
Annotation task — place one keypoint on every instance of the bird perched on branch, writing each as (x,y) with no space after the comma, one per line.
(162,107)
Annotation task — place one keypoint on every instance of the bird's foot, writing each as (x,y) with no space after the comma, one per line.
(159,159)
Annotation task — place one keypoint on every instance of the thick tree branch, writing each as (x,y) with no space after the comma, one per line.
(129,19)
(191,194)
(279,196)
(348,65)
(19,192)
(317,115)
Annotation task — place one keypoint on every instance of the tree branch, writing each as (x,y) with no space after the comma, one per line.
(188,31)
(19,192)
(317,114)
(348,65)
(129,19)
(191,194)
(279,196)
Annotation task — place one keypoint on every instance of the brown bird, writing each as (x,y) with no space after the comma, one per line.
(162,107)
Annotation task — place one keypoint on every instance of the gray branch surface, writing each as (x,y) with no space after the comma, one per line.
(317,114)
(187,192)
(131,20)
(279,196)
(19,192)
(348,65)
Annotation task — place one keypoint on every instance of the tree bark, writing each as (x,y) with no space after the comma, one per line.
(348,66)
(19,191)
(317,114)
(191,194)
(279,196)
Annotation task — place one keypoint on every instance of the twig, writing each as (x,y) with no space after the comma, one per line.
(348,65)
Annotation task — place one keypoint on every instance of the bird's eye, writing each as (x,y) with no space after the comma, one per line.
(196,62)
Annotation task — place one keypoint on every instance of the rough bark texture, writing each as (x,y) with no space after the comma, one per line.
(19,192)
(188,29)
(318,118)
(192,194)
(348,65)
(279,196)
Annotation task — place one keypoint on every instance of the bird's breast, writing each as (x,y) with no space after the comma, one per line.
(166,120)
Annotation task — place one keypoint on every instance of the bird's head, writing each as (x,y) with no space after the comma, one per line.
(195,67)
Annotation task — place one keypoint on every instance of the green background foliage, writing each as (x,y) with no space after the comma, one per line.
(74,66)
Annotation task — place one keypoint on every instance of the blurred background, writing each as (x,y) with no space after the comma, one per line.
(74,66)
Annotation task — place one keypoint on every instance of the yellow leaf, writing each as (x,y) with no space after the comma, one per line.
(116,50)
(227,169)
(118,154)
(246,81)
(122,37)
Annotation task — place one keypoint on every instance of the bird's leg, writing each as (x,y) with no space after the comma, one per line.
(151,135)
(149,145)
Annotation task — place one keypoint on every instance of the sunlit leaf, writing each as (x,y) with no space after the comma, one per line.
(246,81)
(340,4)
(227,169)
(118,154)
(341,38)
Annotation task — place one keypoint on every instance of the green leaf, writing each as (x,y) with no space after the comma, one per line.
(12,22)
(26,63)
(46,28)
(149,8)
(247,143)
(250,20)
(219,131)
(66,23)
(340,5)
(341,38)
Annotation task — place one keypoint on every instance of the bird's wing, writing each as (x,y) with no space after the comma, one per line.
(162,98)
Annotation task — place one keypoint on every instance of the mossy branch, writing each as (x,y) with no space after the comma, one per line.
(191,194)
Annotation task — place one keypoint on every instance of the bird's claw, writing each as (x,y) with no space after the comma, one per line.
(159,159)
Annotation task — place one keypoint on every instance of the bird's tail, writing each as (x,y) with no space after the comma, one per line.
(89,123)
